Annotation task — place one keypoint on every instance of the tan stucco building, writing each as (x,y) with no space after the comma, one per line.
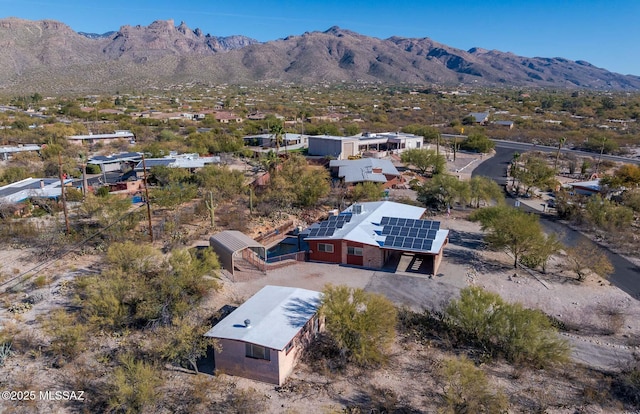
(264,337)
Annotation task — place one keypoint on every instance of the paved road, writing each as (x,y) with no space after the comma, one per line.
(524,147)
(626,275)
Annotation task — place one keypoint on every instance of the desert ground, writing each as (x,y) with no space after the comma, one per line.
(603,329)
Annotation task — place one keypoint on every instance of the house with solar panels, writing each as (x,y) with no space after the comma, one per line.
(375,233)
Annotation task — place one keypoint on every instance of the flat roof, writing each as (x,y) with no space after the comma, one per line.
(276,314)
(31,187)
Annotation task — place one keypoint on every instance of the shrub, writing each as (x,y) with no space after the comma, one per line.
(362,323)
(521,335)
(133,387)
(466,389)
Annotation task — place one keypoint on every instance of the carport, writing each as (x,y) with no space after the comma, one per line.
(229,245)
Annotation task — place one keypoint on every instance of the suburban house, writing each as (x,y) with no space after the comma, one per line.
(227,117)
(506,124)
(586,188)
(267,141)
(8,151)
(190,161)
(31,188)
(377,145)
(117,136)
(115,162)
(264,337)
(366,169)
(481,118)
(371,234)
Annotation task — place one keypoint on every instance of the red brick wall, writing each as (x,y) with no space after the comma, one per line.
(319,256)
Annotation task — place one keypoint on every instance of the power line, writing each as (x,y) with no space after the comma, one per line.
(65,252)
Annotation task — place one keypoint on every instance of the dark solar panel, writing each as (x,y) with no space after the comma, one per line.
(412,234)
(324,224)
(313,232)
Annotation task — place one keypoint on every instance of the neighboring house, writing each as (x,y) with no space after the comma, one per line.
(190,161)
(31,188)
(264,337)
(481,118)
(380,143)
(506,124)
(586,188)
(267,141)
(7,152)
(227,117)
(118,135)
(115,162)
(370,234)
(366,169)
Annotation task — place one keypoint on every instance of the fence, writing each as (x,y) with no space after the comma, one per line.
(271,236)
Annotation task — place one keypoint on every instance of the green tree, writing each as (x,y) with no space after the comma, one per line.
(541,252)
(172,195)
(501,328)
(466,389)
(424,160)
(367,191)
(184,342)
(627,175)
(485,189)
(535,173)
(585,256)
(361,323)
(442,191)
(277,135)
(511,229)
(478,142)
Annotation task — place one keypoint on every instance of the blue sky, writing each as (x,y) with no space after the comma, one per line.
(604,33)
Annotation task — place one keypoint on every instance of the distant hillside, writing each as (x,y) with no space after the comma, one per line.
(48,56)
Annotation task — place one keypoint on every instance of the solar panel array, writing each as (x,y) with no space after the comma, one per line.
(329,226)
(409,233)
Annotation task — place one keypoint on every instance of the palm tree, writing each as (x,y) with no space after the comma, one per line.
(277,133)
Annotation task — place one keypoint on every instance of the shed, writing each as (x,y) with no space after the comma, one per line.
(229,244)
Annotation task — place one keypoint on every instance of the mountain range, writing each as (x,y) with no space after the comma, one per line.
(47,56)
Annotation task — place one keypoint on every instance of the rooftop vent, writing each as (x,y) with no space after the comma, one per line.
(356,209)
(247,323)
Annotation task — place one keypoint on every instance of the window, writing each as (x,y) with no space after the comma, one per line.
(354,251)
(324,247)
(257,351)
(288,347)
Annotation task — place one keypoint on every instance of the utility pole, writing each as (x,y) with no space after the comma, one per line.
(146,194)
(604,139)
(62,194)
